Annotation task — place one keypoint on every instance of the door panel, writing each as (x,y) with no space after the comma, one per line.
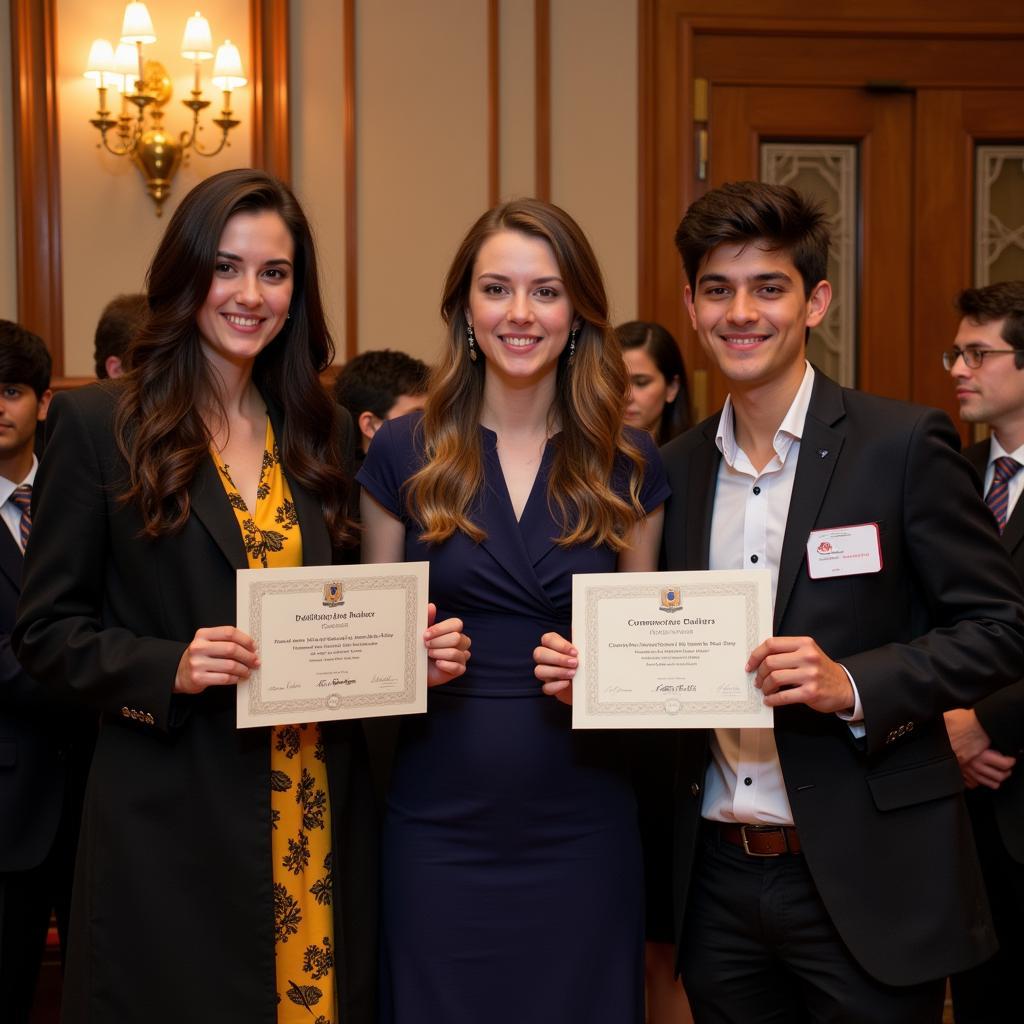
(742,118)
(949,125)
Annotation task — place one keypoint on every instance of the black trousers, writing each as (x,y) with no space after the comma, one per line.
(982,994)
(759,948)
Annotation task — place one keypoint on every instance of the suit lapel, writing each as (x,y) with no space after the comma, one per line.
(11,558)
(211,508)
(820,447)
(703,475)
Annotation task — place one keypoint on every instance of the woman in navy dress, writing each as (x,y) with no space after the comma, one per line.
(512,875)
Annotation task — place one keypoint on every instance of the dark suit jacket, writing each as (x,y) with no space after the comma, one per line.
(882,820)
(174,907)
(31,741)
(1002,713)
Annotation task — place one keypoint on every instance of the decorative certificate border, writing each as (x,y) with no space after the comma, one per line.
(595,707)
(407,582)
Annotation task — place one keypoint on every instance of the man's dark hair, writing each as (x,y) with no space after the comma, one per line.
(24,358)
(749,211)
(373,381)
(1002,301)
(120,322)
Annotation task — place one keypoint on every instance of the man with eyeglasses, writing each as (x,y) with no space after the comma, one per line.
(986,363)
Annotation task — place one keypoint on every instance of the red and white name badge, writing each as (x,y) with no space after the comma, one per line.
(844,551)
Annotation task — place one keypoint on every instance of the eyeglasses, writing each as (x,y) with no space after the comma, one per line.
(972,357)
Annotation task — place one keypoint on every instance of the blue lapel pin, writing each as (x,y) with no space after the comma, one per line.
(822,452)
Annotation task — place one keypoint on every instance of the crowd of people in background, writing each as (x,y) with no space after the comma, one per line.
(483,861)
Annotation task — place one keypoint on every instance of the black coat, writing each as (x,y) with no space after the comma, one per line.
(1002,713)
(173,915)
(32,739)
(882,821)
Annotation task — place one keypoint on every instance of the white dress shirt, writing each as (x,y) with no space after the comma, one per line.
(744,779)
(1015,484)
(8,510)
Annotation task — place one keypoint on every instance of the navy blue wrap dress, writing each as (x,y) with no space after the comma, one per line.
(512,878)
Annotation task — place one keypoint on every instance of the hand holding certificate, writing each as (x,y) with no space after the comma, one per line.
(335,642)
(669,650)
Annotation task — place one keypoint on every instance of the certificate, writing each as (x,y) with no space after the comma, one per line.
(335,641)
(666,650)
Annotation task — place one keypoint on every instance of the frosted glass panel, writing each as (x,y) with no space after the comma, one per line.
(999,221)
(827,173)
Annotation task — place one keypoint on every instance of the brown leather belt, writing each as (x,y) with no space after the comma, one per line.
(760,840)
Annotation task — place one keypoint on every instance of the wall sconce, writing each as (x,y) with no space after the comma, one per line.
(146,85)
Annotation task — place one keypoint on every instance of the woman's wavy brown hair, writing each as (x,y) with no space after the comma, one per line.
(590,398)
(158,424)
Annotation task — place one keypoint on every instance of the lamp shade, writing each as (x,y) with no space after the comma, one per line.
(227,71)
(197,43)
(137,26)
(126,66)
(100,68)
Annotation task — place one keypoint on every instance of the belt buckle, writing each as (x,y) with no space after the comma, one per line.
(756,828)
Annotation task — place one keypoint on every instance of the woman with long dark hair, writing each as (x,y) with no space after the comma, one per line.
(223,874)
(511,872)
(658,398)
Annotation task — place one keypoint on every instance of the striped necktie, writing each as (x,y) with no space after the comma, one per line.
(1004,469)
(22,497)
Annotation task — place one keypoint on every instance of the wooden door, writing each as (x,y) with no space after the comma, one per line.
(880,127)
(912,86)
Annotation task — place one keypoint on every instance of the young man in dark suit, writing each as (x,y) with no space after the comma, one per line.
(35,869)
(986,363)
(825,868)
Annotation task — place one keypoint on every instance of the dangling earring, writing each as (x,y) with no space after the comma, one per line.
(573,335)
(472,342)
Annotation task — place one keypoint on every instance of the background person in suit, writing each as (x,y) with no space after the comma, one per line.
(825,868)
(36,842)
(223,874)
(378,386)
(121,320)
(989,738)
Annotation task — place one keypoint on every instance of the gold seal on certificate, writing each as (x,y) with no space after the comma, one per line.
(335,641)
(666,650)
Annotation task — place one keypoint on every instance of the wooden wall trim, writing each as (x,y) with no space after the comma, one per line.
(542,50)
(646,210)
(493,101)
(271,138)
(37,174)
(351,205)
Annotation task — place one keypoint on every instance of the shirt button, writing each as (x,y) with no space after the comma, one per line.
(757,490)
(753,558)
(748,781)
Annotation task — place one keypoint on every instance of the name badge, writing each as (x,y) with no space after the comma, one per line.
(844,551)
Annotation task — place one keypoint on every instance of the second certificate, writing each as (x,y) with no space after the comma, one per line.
(661,650)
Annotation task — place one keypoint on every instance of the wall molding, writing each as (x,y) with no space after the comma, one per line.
(542,98)
(271,136)
(37,173)
(351,196)
(493,101)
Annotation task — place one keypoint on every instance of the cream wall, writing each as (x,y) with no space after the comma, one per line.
(421,149)
(8,277)
(108,222)
(594,134)
(421,159)
(316,88)
(422,144)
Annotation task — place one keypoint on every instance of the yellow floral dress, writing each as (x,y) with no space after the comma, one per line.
(299,805)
